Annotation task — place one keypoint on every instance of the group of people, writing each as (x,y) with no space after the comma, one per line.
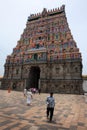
(50,101)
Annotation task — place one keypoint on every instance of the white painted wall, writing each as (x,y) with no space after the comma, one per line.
(85,85)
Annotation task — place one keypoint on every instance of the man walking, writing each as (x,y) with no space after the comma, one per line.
(50,106)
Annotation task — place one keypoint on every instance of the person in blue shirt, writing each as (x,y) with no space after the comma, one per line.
(50,106)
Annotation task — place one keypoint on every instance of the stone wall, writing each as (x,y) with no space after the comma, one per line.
(63,77)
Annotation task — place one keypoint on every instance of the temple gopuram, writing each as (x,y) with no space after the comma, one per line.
(46,56)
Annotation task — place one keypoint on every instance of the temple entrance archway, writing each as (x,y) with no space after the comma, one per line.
(34,76)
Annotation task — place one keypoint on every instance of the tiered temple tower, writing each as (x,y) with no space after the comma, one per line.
(46,56)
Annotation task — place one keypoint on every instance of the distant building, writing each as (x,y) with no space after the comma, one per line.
(46,54)
(1,80)
(85,83)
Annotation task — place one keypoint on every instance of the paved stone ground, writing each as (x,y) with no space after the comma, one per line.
(70,112)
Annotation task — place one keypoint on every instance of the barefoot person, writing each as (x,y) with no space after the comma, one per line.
(25,91)
(29,97)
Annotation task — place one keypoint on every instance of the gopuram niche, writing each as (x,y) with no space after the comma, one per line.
(46,56)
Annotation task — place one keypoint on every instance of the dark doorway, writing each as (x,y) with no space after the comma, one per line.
(14,86)
(34,76)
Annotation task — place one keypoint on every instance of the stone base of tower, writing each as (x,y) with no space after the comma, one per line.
(63,76)
(57,86)
(62,86)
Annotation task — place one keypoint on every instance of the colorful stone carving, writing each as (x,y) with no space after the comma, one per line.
(46,34)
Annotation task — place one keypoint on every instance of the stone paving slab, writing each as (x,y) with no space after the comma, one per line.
(70,112)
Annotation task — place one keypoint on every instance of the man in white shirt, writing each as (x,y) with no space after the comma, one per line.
(50,106)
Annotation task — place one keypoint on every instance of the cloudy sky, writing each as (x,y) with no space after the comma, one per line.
(13,18)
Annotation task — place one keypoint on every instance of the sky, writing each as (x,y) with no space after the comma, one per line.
(13,18)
